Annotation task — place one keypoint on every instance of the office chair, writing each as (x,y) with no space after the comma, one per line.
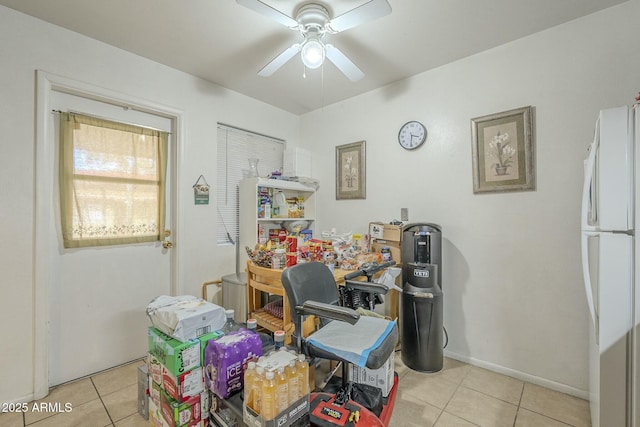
(343,335)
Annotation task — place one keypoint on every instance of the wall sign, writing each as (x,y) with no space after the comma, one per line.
(201,191)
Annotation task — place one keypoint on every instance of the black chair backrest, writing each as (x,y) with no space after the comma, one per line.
(311,281)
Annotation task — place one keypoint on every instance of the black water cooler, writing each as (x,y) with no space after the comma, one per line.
(422,304)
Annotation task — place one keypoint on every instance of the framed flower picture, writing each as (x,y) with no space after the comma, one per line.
(350,171)
(503,151)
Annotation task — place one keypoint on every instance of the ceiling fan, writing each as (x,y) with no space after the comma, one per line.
(314,22)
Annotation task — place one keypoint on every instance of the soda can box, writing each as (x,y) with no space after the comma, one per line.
(155,392)
(154,368)
(205,406)
(175,355)
(225,360)
(155,415)
(185,317)
(181,386)
(180,414)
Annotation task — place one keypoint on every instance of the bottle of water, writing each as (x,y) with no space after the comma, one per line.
(303,375)
(268,397)
(267,341)
(252,325)
(278,337)
(230,325)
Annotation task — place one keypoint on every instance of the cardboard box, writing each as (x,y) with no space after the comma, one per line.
(177,356)
(185,317)
(143,392)
(381,378)
(154,368)
(379,230)
(204,340)
(181,414)
(180,387)
(205,406)
(155,392)
(297,162)
(183,386)
(155,415)
(394,248)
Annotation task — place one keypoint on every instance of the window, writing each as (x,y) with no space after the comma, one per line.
(112,182)
(235,148)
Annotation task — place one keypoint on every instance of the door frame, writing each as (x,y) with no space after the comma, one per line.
(43,252)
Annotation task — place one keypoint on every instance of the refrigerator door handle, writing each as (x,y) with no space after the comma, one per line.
(587,278)
(589,212)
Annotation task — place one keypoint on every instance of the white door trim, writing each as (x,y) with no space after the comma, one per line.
(44,167)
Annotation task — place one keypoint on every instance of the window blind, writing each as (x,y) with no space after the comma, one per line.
(235,148)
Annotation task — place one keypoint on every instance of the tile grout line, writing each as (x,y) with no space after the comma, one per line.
(538,413)
(102,401)
(453,394)
(515,420)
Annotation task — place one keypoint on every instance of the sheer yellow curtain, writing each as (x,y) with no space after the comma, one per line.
(112,182)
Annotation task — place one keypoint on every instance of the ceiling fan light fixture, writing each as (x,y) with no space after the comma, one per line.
(312,53)
(314,21)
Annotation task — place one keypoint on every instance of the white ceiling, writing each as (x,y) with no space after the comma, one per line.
(225,43)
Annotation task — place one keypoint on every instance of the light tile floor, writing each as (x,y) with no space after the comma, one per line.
(460,395)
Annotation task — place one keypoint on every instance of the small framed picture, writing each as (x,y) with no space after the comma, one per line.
(503,151)
(350,171)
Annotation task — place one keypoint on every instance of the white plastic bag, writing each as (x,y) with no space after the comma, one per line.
(185,317)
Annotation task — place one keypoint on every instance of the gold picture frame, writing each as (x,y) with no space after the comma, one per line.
(350,171)
(503,151)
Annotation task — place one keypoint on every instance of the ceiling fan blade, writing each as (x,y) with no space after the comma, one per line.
(279,61)
(369,11)
(269,12)
(343,63)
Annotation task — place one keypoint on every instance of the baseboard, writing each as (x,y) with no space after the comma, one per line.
(563,388)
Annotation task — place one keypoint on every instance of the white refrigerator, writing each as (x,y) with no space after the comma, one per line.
(609,251)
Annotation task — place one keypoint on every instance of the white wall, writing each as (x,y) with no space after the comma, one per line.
(514,298)
(28,44)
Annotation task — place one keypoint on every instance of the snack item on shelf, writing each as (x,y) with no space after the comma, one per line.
(357,261)
(260,257)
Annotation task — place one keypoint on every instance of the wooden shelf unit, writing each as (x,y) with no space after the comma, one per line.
(266,280)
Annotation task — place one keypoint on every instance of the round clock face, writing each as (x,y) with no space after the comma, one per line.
(412,135)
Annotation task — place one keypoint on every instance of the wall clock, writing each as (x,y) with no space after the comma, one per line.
(412,135)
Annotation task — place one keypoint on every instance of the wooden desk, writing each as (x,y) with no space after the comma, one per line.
(261,279)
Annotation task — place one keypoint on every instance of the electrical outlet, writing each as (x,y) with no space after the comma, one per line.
(404,214)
